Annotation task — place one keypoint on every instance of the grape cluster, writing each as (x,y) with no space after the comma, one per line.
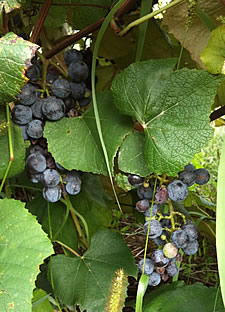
(40,167)
(170,231)
(65,97)
(32,109)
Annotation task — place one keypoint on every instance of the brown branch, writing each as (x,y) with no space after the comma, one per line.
(40,22)
(73,38)
(6,21)
(223,2)
(124,8)
(217,113)
(76,5)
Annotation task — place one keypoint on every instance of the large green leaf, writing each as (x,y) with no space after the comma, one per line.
(178,297)
(75,144)
(15,55)
(220,217)
(213,55)
(39,207)
(131,155)
(172,107)
(23,247)
(19,147)
(40,301)
(10,5)
(86,281)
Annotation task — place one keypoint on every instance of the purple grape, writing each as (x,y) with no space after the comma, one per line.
(177,191)
(202,176)
(53,108)
(35,129)
(189,167)
(155,228)
(161,195)
(72,55)
(50,178)
(61,88)
(28,94)
(77,90)
(142,205)
(159,259)
(78,71)
(155,209)
(191,248)
(52,194)
(191,231)
(172,269)
(154,279)
(37,108)
(179,239)
(149,266)
(135,180)
(187,177)
(144,192)
(36,163)
(21,114)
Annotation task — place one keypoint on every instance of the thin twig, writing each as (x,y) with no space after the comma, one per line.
(217,113)
(40,22)
(77,5)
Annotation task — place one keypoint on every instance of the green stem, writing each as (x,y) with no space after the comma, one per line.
(49,221)
(11,154)
(146,242)
(182,49)
(148,16)
(65,218)
(171,215)
(74,215)
(93,70)
(67,247)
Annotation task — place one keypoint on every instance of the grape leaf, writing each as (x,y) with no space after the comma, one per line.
(172,107)
(79,140)
(91,275)
(178,297)
(15,55)
(198,34)
(11,5)
(40,301)
(213,55)
(19,147)
(23,247)
(131,155)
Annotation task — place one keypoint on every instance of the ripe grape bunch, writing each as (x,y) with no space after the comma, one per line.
(169,230)
(37,104)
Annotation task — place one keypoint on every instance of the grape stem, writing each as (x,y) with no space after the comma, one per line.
(11,153)
(67,247)
(147,17)
(171,215)
(74,215)
(40,22)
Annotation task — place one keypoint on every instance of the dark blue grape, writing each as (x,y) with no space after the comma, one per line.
(50,178)
(21,114)
(135,180)
(191,248)
(37,149)
(34,177)
(172,269)
(78,71)
(36,163)
(155,209)
(177,191)
(28,94)
(37,108)
(187,177)
(154,279)
(85,101)
(144,192)
(53,108)
(149,266)
(179,239)
(73,182)
(35,129)
(61,88)
(202,176)
(155,228)
(161,240)
(142,205)
(52,194)
(69,103)
(77,90)
(191,231)
(189,167)
(24,132)
(72,55)
(34,72)
(50,78)
(159,259)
